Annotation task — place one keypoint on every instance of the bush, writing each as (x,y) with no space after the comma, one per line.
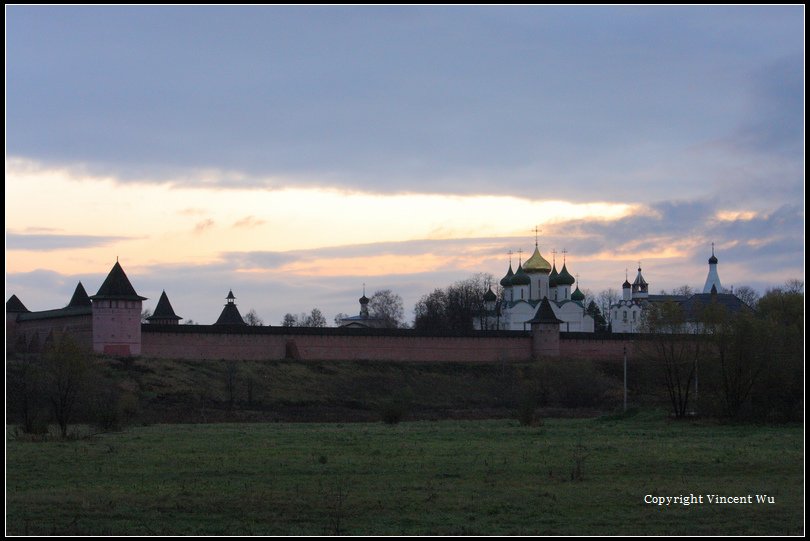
(394,410)
(577,384)
(527,413)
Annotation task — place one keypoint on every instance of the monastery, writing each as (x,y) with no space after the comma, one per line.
(537,316)
(627,315)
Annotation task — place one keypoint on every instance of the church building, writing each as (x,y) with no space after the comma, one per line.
(628,313)
(523,291)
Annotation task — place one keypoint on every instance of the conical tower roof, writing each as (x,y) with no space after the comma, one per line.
(230,313)
(80,297)
(536,263)
(164,309)
(117,286)
(15,305)
(545,314)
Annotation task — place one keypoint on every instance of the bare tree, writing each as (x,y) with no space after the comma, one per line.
(684,290)
(145,315)
(794,286)
(65,371)
(289,320)
(674,352)
(340,317)
(387,306)
(748,295)
(605,300)
(230,381)
(315,319)
(253,319)
(456,307)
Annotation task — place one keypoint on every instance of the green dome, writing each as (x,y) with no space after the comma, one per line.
(577,295)
(521,278)
(565,278)
(489,296)
(506,281)
(552,278)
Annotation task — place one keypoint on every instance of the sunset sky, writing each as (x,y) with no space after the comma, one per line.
(293,154)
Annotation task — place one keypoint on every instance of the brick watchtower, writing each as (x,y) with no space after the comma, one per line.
(117,316)
(545,332)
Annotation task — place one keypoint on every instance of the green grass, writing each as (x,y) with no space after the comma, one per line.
(444,477)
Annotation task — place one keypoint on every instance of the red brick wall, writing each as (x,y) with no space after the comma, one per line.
(79,327)
(595,349)
(253,346)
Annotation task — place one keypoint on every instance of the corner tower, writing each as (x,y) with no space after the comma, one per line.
(117,316)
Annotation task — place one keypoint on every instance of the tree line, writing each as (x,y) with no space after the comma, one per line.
(748,364)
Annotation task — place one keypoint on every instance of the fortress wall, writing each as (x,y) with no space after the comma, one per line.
(333,346)
(80,327)
(415,348)
(592,348)
(230,346)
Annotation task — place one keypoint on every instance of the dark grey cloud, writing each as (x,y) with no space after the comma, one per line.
(420,99)
(47,242)
(775,120)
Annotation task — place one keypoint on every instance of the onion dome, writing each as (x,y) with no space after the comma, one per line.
(521,278)
(536,263)
(489,296)
(506,281)
(364,299)
(565,278)
(552,278)
(577,295)
(626,284)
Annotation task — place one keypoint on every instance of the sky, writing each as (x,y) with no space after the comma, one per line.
(295,154)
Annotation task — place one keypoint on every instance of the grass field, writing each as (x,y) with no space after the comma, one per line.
(428,477)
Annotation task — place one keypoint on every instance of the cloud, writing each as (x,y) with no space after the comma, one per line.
(511,101)
(46,242)
(249,221)
(203,225)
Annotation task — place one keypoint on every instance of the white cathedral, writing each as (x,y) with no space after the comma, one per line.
(524,289)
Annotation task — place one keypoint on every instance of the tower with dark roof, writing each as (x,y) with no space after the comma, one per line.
(230,313)
(116,315)
(164,313)
(640,286)
(545,331)
(79,297)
